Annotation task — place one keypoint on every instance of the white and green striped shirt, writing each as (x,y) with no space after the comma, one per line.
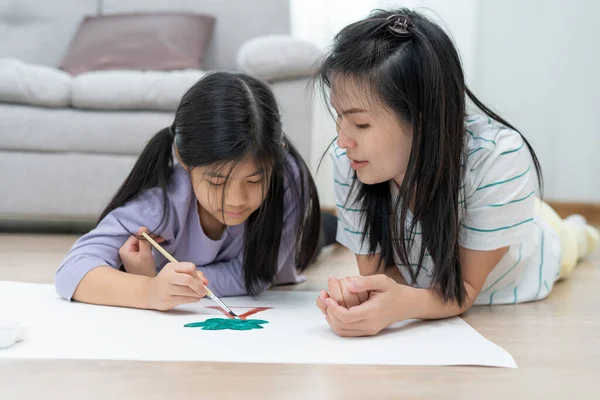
(498,210)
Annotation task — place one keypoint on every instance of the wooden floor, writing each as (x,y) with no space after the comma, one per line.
(556,343)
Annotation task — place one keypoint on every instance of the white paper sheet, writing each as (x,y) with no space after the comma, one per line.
(296,333)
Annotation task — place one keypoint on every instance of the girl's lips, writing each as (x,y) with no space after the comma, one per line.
(234,214)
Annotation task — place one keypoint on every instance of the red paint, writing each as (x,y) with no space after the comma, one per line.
(253,311)
(241,316)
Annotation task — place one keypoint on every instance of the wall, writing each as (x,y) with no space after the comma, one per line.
(537,64)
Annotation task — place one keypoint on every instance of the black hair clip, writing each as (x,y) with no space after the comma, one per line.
(399,25)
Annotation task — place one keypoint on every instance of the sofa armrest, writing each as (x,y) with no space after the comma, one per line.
(277,57)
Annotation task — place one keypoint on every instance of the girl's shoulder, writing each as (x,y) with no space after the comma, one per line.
(179,191)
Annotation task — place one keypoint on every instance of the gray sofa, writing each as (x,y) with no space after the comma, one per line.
(63,163)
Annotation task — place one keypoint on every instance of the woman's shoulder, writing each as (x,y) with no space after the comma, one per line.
(487,140)
(492,148)
(484,133)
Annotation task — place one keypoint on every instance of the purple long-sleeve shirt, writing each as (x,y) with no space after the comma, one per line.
(219,260)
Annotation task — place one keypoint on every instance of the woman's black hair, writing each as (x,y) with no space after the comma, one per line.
(223,119)
(411,65)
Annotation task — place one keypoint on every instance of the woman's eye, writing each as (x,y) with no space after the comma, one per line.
(255,182)
(362,126)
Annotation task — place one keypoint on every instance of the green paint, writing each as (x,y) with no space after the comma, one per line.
(219,324)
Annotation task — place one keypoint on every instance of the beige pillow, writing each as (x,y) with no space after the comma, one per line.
(31,84)
(151,41)
(132,90)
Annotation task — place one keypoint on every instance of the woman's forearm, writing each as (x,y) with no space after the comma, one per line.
(427,304)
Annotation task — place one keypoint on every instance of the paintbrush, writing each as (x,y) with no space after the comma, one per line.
(173,260)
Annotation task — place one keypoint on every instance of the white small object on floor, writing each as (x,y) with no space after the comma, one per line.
(10,333)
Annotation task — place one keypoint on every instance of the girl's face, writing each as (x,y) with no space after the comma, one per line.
(231,202)
(376,142)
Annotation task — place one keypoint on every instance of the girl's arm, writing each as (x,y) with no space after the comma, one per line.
(111,287)
(177,283)
(476,265)
(99,249)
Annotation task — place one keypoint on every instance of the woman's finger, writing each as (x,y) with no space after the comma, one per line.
(363,296)
(323,296)
(335,290)
(350,299)
(349,317)
(334,316)
(345,332)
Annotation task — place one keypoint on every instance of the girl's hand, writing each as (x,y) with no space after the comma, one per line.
(338,290)
(176,284)
(383,307)
(136,255)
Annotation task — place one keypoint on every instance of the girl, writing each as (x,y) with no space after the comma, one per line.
(443,202)
(227,193)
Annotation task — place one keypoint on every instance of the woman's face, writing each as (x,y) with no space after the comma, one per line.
(376,142)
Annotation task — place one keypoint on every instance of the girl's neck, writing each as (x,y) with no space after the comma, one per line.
(213,228)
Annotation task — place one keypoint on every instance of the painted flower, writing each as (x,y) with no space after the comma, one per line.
(218,324)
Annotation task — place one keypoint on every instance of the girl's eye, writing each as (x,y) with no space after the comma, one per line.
(255,182)
(362,126)
(216,183)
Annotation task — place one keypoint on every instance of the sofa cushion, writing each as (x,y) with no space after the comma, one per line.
(237,21)
(31,84)
(132,90)
(277,57)
(40,32)
(67,130)
(55,188)
(146,41)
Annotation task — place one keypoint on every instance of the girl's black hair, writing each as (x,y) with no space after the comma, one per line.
(412,66)
(223,119)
